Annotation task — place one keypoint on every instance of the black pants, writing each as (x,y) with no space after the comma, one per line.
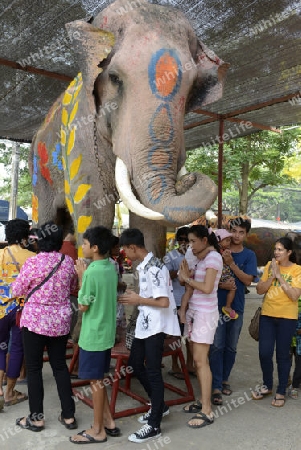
(145,359)
(34,345)
(297,372)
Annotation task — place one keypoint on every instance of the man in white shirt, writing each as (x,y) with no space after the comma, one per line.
(157,317)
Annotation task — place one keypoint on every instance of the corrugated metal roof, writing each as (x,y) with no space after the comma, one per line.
(260,39)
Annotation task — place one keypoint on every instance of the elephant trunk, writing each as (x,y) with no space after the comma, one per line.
(159,197)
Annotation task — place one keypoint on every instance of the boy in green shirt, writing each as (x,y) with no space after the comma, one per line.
(97,301)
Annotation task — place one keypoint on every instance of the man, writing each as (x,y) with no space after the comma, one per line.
(243,264)
(173,261)
(157,317)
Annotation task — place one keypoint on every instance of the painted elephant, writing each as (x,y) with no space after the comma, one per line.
(117,130)
(262,242)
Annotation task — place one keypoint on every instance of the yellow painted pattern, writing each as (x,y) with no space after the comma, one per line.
(71,170)
(83,223)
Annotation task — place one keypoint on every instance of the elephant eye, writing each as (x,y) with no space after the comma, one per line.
(115,79)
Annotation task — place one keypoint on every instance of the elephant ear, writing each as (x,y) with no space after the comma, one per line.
(92,46)
(211,71)
(77,134)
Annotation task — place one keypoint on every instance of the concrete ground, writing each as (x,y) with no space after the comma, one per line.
(241,423)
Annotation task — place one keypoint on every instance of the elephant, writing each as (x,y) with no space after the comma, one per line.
(117,130)
(262,242)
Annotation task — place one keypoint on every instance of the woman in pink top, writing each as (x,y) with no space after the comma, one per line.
(45,322)
(202,314)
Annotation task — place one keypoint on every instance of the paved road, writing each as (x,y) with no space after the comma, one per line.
(241,423)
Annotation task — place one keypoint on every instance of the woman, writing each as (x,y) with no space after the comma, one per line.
(281,284)
(202,314)
(45,322)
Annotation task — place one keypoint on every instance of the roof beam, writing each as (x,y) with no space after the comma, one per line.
(31,69)
(214,117)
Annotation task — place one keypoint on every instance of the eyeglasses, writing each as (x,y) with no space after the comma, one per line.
(185,239)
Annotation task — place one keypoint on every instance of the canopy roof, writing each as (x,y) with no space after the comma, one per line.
(260,39)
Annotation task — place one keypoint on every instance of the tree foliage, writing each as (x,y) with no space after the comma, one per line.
(250,164)
(24,183)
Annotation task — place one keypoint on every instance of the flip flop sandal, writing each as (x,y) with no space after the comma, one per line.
(113,432)
(91,439)
(29,425)
(193,408)
(275,399)
(217,399)
(201,416)
(226,389)
(259,395)
(15,400)
(233,314)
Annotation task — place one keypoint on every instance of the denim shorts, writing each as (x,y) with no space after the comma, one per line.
(93,365)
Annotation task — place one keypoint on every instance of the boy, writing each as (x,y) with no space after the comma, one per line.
(224,241)
(97,301)
(243,264)
(157,317)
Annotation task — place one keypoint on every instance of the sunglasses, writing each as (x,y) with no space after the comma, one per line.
(185,239)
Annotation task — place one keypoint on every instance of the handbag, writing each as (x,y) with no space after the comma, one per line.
(21,306)
(254,324)
(130,329)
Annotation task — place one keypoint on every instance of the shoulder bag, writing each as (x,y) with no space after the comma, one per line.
(20,308)
(254,324)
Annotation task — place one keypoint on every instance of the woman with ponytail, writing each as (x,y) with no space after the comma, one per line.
(202,314)
(281,286)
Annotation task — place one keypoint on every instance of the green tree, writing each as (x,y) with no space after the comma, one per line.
(24,183)
(250,164)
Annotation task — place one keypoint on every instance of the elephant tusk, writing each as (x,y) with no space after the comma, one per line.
(181,172)
(123,185)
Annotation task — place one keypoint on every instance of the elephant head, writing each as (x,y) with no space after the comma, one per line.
(143,69)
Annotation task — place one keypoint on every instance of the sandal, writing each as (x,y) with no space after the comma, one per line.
(29,425)
(261,393)
(232,314)
(193,408)
(276,399)
(226,390)
(17,398)
(206,420)
(217,399)
(293,393)
(69,426)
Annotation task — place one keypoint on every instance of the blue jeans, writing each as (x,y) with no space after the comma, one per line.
(145,359)
(277,331)
(223,350)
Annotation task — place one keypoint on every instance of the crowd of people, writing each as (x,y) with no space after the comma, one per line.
(198,292)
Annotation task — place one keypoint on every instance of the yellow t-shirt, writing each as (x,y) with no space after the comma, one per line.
(276,303)
(8,273)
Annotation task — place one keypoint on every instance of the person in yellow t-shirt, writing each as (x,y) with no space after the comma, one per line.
(281,286)
(12,258)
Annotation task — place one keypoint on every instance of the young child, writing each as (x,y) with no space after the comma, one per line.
(157,317)
(97,299)
(224,241)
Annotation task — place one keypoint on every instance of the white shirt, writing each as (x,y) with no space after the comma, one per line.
(155,282)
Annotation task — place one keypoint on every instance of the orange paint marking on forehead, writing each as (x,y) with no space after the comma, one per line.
(166,74)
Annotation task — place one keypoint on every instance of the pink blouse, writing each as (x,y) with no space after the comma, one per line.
(48,310)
